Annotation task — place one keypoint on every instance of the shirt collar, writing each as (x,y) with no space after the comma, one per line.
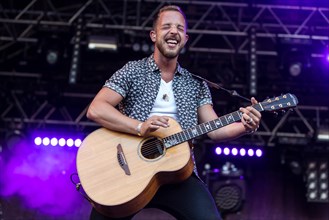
(153,66)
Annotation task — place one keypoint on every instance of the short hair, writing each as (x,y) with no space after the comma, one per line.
(168,8)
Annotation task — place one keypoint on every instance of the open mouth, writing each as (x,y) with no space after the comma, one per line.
(172,42)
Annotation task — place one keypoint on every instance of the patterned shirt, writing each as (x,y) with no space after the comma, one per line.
(138,83)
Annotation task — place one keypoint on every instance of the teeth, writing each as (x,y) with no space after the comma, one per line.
(172,41)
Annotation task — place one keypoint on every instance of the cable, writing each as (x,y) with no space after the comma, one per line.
(217,86)
(78,187)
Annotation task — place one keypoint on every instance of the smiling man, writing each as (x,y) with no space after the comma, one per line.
(140,98)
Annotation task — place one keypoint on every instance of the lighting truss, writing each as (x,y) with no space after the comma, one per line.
(229,22)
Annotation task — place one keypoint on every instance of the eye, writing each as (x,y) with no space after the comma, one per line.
(181,28)
(166,26)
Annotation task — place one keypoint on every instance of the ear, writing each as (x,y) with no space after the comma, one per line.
(152,35)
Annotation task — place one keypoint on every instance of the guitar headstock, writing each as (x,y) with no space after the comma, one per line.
(286,101)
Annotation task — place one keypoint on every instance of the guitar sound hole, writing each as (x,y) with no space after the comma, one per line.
(152,148)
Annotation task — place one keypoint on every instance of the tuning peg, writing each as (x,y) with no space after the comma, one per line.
(283,111)
(291,109)
(275,114)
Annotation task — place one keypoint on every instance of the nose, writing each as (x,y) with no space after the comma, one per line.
(174,29)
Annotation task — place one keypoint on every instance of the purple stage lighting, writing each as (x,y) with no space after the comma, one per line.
(242,152)
(69,142)
(238,151)
(218,150)
(37,141)
(39,178)
(45,141)
(61,142)
(77,142)
(53,142)
(234,151)
(259,152)
(226,151)
(251,152)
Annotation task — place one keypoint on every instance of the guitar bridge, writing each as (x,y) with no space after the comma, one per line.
(122,160)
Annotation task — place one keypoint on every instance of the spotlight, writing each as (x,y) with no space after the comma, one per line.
(218,150)
(317,181)
(103,43)
(136,47)
(52,57)
(322,134)
(14,137)
(295,69)
(226,151)
(242,152)
(145,47)
(54,141)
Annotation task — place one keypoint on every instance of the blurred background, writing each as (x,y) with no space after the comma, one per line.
(56,55)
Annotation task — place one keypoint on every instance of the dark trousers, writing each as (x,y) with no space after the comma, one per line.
(188,200)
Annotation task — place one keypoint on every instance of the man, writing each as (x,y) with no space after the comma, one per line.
(150,90)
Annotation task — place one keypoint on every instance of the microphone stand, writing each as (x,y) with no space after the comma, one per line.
(217,86)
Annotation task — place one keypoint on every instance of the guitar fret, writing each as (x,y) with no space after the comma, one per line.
(181,136)
(203,128)
(223,122)
(208,127)
(218,123)
(289,101)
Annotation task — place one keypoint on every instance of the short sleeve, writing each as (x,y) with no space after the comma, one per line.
(204,95)
(120,80)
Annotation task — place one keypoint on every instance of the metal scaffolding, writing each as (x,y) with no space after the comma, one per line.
(227,21)
(225,24)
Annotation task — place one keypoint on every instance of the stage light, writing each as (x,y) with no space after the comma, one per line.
(251,152)
(145,47)
(136,47)
(259,153)
(322,134)
(242,152)
(238,151)
(218,150)
(234,151)
(37,141)
(295,69)
(53,142)
(103,43)
(77,142)
(61,142)
(52,57)
(69,142)
(253,62)
(45,141)
(317,181)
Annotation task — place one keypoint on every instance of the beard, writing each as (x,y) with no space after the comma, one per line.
(168,52)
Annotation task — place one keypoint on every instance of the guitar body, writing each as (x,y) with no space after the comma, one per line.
(120,173)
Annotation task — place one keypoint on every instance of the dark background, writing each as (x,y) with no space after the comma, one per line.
(37,96)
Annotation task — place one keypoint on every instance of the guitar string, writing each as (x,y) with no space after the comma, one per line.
(151,147)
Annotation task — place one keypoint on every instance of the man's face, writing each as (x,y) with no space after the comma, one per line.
(170,34)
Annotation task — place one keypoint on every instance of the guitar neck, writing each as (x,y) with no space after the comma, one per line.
(204,128)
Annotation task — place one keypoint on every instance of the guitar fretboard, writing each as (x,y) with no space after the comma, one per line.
(204,128)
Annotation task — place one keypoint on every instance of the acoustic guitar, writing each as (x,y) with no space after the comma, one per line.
(120,173)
